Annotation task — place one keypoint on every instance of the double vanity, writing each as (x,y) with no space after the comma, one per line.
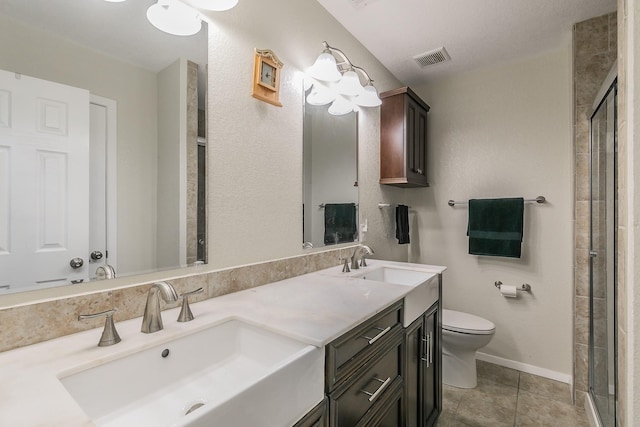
(322,349)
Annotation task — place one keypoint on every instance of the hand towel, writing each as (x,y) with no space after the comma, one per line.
(402,224)
(340,223)
(495,227)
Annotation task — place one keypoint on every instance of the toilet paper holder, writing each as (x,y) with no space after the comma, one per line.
(525,286)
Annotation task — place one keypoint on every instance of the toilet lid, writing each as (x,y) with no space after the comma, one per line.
(457,321)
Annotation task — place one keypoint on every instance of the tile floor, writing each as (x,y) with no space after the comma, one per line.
(507,397)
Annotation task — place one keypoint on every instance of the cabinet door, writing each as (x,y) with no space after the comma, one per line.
(413,371)
(420,161)
(432,399)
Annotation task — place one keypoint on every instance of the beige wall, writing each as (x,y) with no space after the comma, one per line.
(45,56)
(172,141)
(505,132)
(255,149)
(628,173)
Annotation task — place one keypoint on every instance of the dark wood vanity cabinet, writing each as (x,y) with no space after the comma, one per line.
(423,369)
(403,139)
(317,417)
(364,382)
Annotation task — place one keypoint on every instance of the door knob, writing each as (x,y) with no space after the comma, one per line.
(96,255)
(76,263)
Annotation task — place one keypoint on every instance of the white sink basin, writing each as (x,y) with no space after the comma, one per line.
(231,374)
(395,275)
(425,287)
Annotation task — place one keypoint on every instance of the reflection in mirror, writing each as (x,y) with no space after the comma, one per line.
(102,149)
(330,178)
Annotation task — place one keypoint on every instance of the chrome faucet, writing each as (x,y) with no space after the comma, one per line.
(359,253)
(152,320)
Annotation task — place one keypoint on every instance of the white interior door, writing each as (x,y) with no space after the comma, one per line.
(44,181)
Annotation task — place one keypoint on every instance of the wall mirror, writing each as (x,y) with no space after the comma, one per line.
(135,200)
(330,174)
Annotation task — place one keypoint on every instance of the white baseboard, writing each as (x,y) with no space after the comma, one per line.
(524,367)
(591,412)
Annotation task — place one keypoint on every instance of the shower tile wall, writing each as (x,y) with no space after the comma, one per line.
(595,51)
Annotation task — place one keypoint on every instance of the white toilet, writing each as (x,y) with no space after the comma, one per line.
(462,335)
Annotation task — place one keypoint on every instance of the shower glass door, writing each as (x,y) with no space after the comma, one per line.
(603,258)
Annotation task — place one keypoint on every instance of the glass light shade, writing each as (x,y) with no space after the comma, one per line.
(308,82)
(115,1)
(215,5)
(325,68)
(341,106)
(369,97)
(174,17)
(349,84)
(320,96)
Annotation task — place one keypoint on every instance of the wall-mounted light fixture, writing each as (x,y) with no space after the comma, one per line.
(174,17)
(180,18)
(335,80)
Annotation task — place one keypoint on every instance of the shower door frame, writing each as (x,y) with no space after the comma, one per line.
(609,86)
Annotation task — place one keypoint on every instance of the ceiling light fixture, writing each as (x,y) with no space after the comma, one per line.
(174,17)
(335,79)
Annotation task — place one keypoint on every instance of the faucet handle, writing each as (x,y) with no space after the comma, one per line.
(363,261)
(185,313)
(345,267)
(109,334)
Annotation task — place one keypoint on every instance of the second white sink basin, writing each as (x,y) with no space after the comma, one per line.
(425,287)
(231,374)
(397,276)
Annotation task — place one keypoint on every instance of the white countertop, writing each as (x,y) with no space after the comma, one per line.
(314,308)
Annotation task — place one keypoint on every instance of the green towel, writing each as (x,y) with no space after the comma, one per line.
(340,223)
(495,227)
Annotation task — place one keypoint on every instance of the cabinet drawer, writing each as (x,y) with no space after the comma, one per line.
(350,351)
(353,399)
(317,417)
(388,412)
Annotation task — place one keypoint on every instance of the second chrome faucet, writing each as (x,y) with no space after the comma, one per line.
(152,319)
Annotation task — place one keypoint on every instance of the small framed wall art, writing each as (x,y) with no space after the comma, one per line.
(266,77)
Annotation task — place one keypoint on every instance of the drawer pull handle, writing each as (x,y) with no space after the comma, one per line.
(375,394)
(427,347)
(430,347)
(377,337)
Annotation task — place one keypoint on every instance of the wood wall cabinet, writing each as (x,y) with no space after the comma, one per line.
(403,139)
(423,369)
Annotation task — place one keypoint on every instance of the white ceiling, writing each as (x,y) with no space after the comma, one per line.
(120,30)
(476,33)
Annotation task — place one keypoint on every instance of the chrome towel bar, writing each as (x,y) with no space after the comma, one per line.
(539,199)
(388,205)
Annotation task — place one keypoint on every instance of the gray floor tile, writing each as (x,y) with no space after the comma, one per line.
(507,397)
(534,410)
(497,374)
(554,390)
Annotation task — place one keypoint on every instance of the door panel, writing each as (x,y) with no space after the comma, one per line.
(44,161)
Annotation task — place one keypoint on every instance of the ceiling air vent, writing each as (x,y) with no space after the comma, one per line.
(432,57)
(360,3)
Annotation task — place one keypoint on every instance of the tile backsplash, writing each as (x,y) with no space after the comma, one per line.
(29,324)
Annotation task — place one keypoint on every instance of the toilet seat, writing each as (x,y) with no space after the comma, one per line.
(465,323)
